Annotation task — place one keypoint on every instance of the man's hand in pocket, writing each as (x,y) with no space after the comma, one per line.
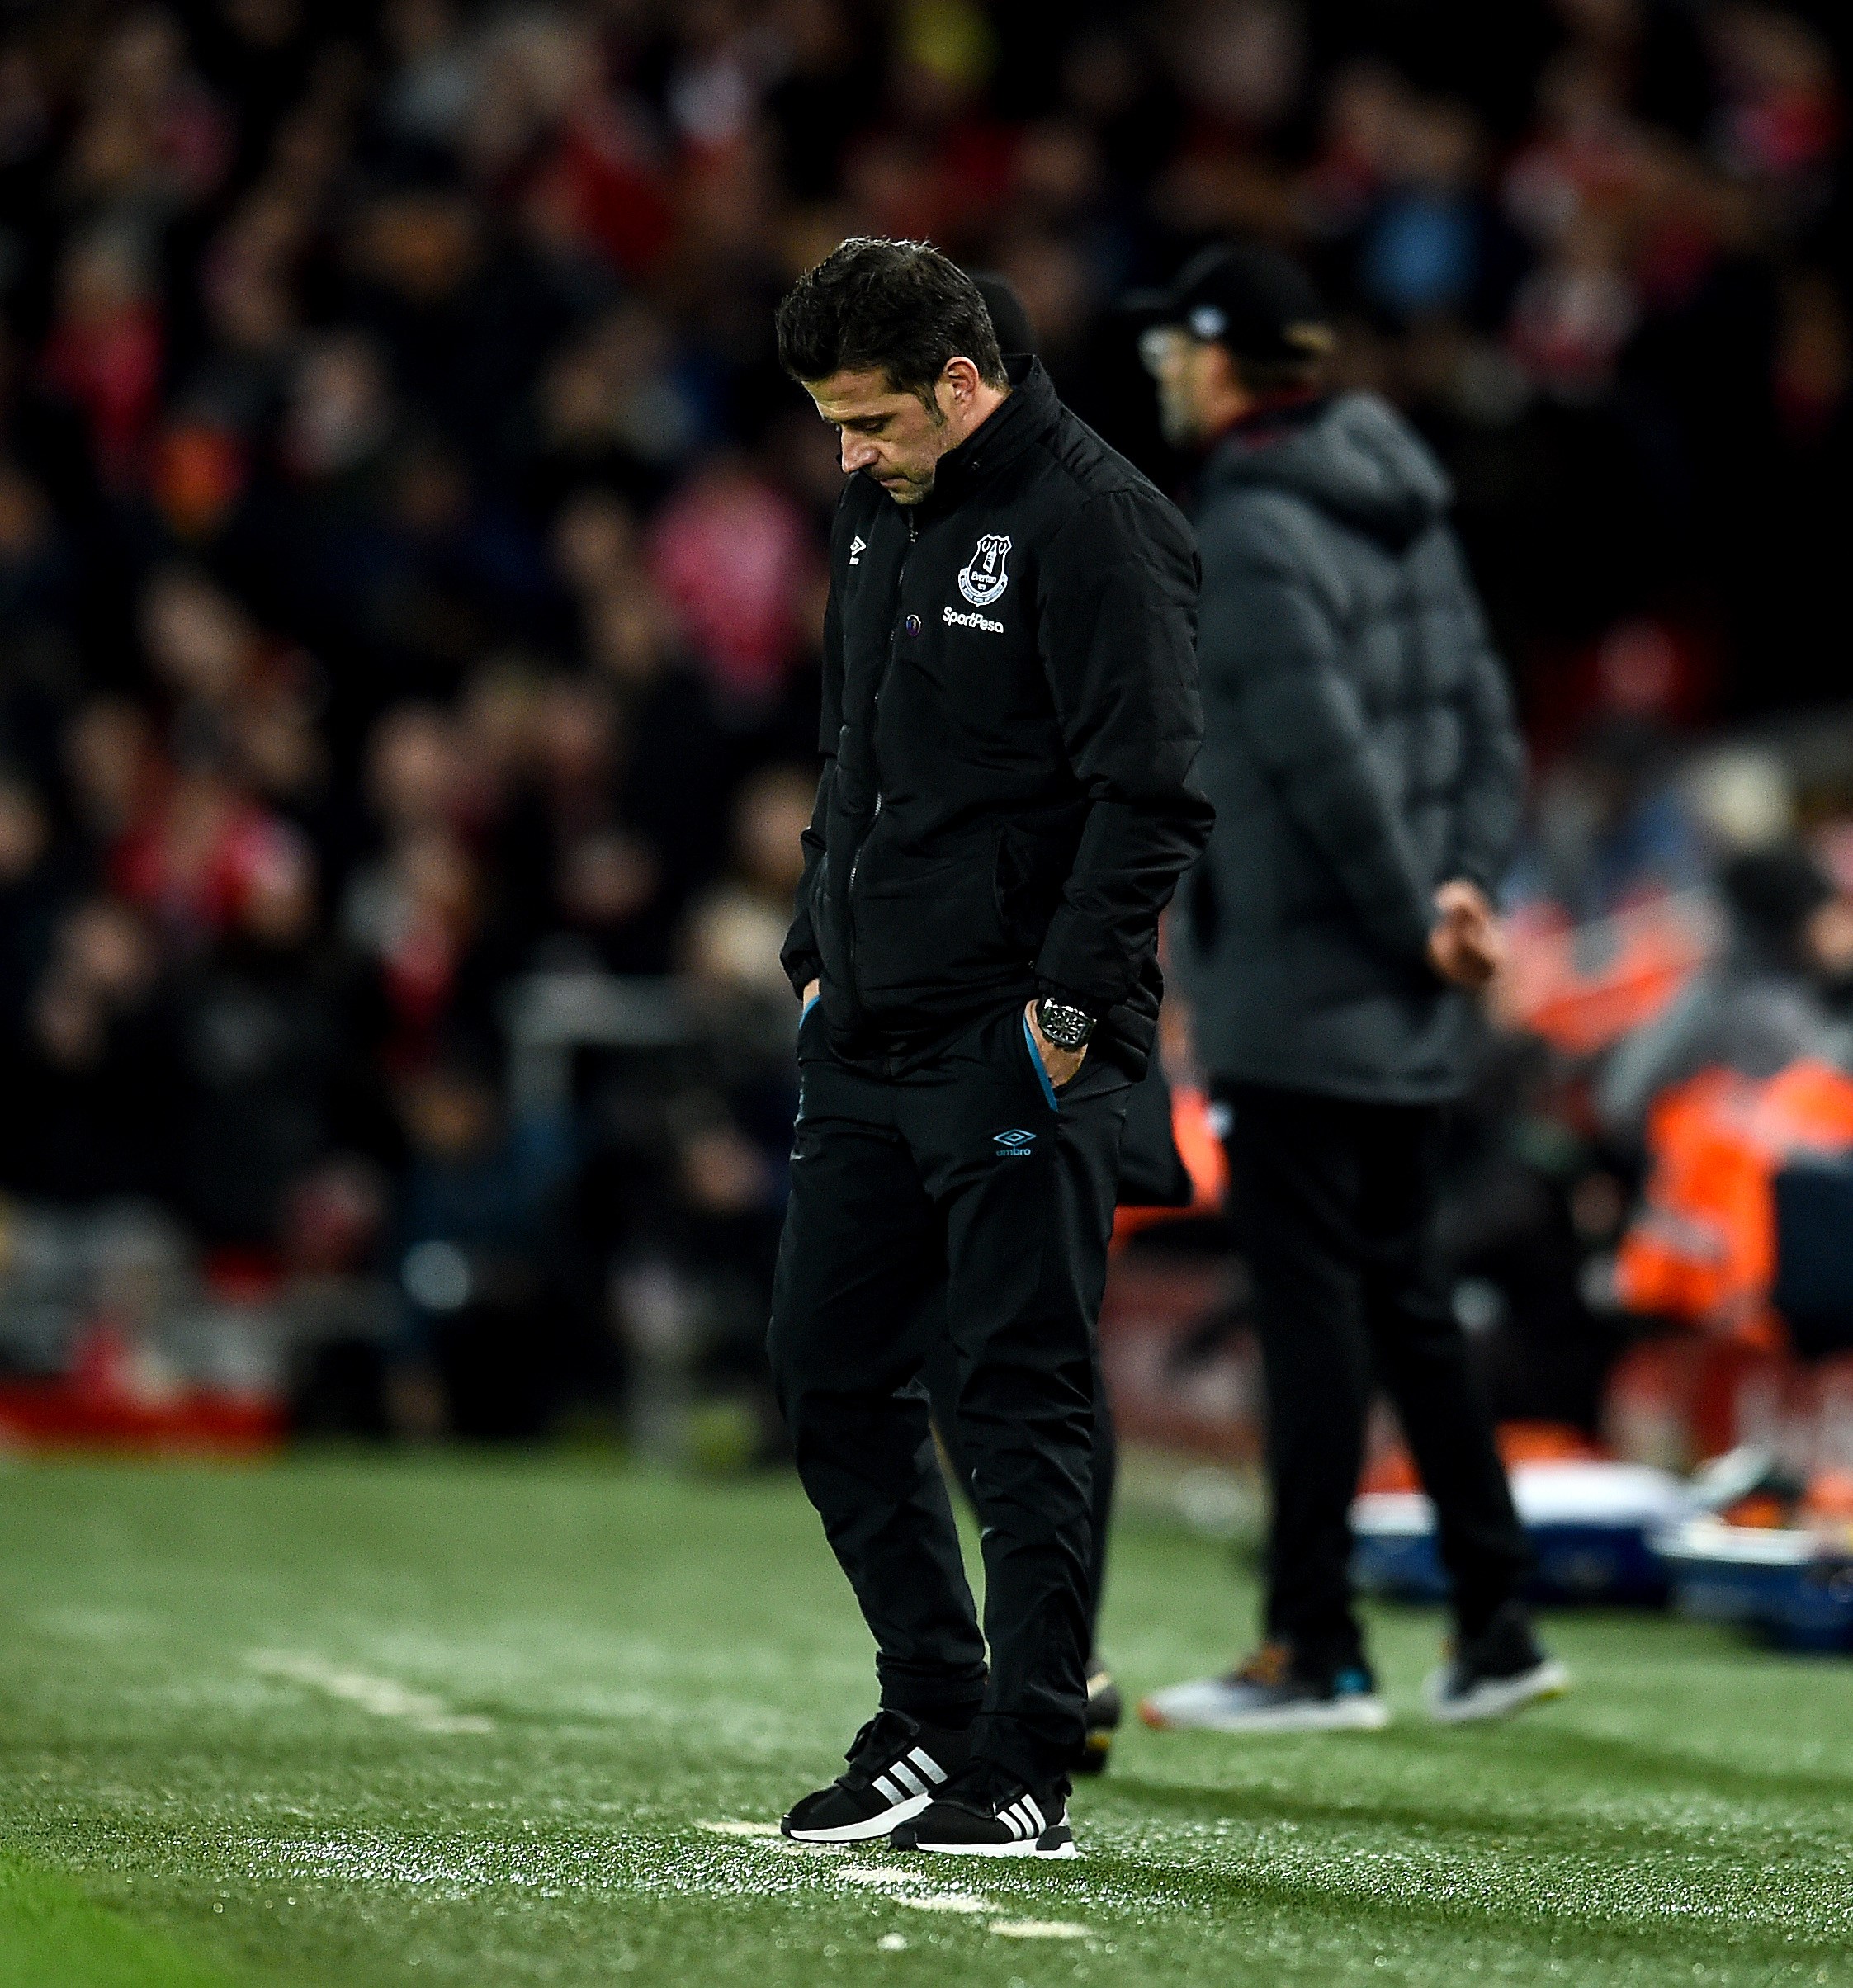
(1063,1065)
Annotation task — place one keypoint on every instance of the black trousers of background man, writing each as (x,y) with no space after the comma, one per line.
(1335,1202)
(963,1171)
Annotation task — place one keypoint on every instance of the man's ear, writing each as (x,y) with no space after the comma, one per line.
(961,379)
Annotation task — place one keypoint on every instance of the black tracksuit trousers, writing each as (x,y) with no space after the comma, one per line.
(1335,1202)
(971,1172)
(940,1373)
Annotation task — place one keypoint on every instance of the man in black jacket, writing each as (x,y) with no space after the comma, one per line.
(1361,754)
(1010,718)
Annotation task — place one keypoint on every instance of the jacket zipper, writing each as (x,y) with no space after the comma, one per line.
(874,714)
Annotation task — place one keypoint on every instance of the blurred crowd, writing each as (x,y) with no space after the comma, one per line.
(411,576)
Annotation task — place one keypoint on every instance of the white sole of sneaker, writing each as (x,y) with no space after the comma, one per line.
(875,1827)
(1352,1715)
(1496,1698)
(1026,1848)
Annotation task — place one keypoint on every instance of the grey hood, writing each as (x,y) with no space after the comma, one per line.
(1354,457)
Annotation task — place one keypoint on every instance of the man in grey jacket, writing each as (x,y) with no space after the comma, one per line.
(1361,755)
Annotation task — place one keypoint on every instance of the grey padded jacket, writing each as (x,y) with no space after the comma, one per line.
(1359,750)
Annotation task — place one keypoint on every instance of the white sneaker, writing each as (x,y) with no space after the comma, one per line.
(1453,1701)
(1266,1696)
(1500,1673)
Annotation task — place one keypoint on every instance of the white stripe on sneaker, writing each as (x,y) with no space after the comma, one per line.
(928,1765)
(880,1823)
(902,1773)
(888,1790)
(1036,1816)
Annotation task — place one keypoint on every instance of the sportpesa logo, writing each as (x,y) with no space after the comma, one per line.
(954,619)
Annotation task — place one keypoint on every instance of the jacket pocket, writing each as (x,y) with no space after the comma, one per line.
(927,928)
(1028,872)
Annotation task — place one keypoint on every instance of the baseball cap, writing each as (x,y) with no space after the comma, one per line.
(1256,301)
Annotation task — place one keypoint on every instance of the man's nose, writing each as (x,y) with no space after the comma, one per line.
(858,452)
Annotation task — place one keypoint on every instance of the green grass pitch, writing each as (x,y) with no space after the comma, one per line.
(357,1722)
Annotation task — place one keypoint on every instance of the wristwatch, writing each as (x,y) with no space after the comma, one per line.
(1066,1028)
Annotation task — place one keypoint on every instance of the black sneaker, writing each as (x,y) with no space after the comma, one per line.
(896,1763)
(987,1811)
(1104,1712)
(1502,1670)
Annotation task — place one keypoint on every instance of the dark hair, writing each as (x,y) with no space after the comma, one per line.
(901,306)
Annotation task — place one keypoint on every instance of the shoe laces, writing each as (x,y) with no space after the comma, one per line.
(984,1787)
(883,1740)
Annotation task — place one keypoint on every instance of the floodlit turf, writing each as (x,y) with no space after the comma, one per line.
(353,1722)
(50,1932)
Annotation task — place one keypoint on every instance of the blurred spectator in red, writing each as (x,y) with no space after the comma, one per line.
(416,922)
(104,351)
(1782,115)
(190,861)
(731,555)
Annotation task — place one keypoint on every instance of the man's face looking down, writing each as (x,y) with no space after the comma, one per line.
(896,438)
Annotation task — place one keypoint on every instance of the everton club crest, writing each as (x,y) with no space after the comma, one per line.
(983,579)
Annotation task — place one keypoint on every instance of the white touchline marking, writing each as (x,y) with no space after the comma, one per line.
(385,1698)
(899,1885)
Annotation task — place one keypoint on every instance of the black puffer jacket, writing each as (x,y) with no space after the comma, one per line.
(1010,716)
(1360,749)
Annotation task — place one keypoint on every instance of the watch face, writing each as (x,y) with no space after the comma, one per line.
(1066,1028)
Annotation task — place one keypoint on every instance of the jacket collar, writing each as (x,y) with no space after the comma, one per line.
(1278,422)
(1030,413)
